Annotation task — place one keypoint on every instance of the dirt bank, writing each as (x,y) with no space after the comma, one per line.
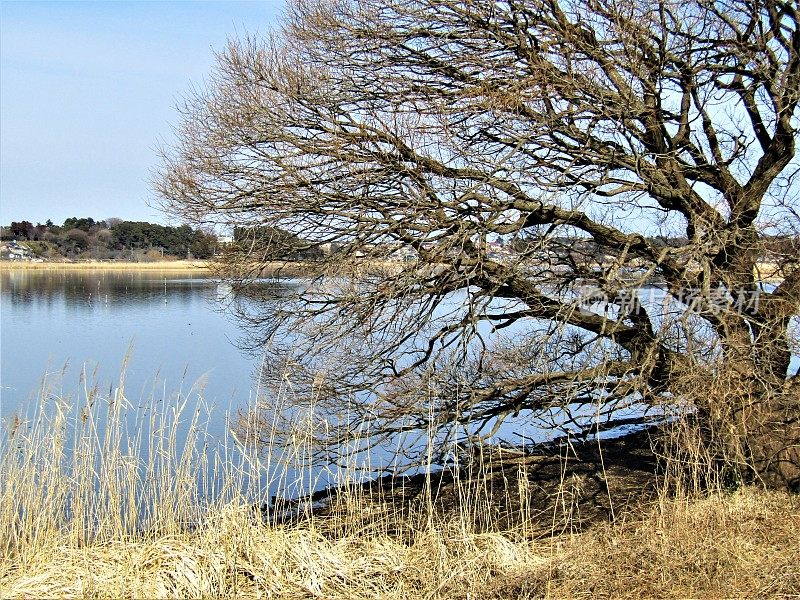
(556,489)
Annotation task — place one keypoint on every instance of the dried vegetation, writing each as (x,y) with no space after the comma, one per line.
(70,486)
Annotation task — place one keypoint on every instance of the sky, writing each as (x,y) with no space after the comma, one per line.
(88,93)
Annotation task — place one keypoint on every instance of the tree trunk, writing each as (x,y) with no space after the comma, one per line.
(773,439)
(751,424)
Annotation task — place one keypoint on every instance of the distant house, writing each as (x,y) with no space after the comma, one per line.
(15,251)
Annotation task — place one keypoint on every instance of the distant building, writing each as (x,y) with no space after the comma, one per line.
(15,251)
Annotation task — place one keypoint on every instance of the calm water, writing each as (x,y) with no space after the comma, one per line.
(58,327)
(66,327)
(169,331)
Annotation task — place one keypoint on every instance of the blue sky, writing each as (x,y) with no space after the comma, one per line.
(88,91)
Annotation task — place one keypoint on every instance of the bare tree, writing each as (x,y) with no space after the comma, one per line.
(611,145)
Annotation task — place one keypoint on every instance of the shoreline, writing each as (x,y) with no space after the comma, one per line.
(205,267)
(171,265)
(766,273)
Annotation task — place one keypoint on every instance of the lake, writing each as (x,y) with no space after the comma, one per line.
(67,331)
(58,328)
(63,332)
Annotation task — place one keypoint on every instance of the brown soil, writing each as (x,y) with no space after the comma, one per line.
(557,489)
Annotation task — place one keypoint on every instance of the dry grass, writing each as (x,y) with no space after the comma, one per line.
(76,476)
(744,545)
(271,269)
(767,272)
(235,557)
(165,265)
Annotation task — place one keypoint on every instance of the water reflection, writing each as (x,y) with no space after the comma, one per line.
(173,325)
(183,338)
(158,351)
(79,288)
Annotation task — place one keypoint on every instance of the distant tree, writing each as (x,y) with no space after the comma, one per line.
(74,242)
(104,238)
(130,234)
(153,255)
(110,237)
(177,241)
(204,245)
(37,234)
(87,224)
(22,230)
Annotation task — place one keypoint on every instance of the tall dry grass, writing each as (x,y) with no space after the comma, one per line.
(100,467)
(104,499)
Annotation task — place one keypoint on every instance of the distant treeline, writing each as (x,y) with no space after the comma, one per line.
(85,238)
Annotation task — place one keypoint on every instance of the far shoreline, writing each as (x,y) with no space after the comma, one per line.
(109,265)
(765,272)
(203,267)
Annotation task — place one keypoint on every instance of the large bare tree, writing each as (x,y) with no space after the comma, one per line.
(518,155)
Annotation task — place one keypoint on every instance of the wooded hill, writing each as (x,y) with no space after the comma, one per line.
(110,239)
